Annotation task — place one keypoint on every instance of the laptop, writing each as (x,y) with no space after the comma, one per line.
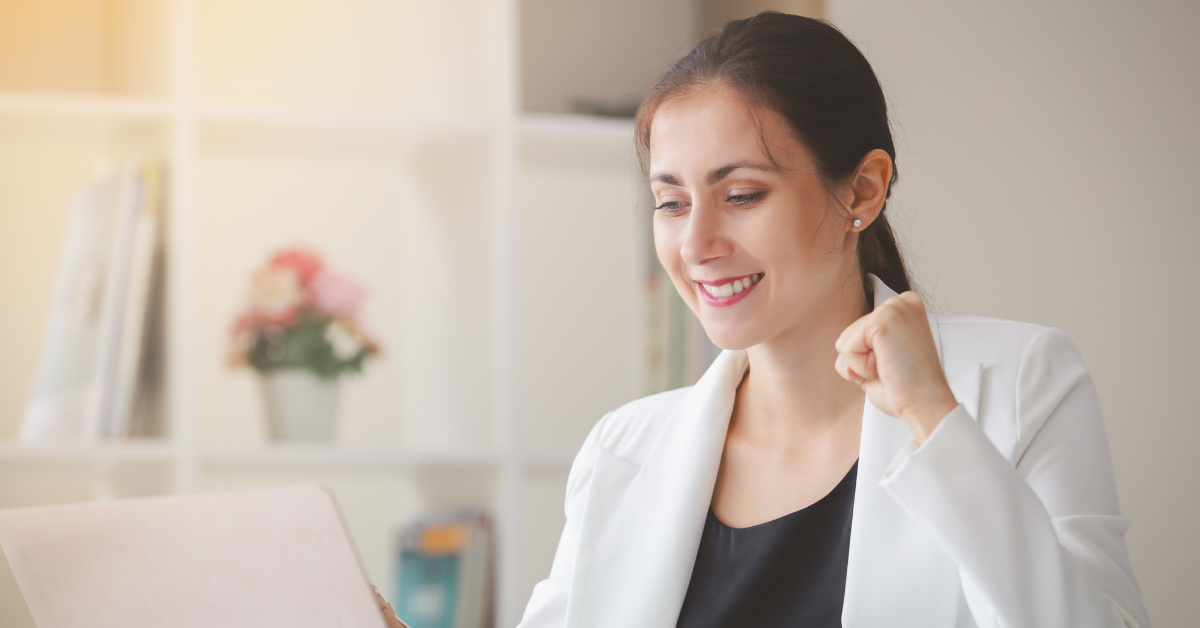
(253,559)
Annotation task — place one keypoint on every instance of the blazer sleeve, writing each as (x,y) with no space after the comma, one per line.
(547,606)
(1041,542)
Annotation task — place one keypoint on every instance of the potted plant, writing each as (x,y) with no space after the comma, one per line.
(301,331)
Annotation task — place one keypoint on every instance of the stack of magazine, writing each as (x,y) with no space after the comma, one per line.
(444,574)
(99,375)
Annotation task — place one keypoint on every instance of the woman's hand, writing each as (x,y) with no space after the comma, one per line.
(389,613)
(891,354)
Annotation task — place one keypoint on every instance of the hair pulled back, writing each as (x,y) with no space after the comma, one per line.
(815,78)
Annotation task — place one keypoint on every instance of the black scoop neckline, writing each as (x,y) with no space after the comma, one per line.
(791,515)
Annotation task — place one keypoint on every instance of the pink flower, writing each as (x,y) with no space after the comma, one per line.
(337,295)
(276,294)
(247,322)
(304,263)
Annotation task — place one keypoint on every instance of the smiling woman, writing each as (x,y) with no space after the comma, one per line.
(825,471)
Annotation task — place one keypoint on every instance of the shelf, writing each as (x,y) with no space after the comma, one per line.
(346,119)
(325,455)
(97,106)
(100,106)
(562,127)
(157,451)
(276,454)
(328,131)
(113,124)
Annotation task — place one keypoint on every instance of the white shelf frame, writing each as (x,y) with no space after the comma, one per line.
(182,113)
(168,450)
(165,110)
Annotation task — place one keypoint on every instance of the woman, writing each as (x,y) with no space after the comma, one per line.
(849,459)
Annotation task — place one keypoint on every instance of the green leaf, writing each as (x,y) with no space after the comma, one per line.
(303,345)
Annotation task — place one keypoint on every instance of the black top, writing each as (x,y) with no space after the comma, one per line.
(790,571)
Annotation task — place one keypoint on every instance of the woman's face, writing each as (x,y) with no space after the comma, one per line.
(755,248)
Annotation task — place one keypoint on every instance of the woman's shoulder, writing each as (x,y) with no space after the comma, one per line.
(630,430)
(998,342)
(627,433)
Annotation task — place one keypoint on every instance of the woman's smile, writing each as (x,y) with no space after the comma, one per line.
(727,291)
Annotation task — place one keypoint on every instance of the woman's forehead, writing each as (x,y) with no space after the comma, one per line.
(718,125)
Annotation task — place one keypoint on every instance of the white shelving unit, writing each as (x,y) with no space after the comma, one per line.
(502,250)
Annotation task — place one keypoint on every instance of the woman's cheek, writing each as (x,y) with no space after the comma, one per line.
(667,245)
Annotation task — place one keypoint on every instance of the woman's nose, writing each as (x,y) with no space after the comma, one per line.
(704,239)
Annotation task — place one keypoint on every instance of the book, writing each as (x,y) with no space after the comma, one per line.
(133,341)
(444,568)
(86,387)
(97,412)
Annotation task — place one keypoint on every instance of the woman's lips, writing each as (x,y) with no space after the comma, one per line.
(726,292)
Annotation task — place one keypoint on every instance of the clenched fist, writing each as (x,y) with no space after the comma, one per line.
(891,354)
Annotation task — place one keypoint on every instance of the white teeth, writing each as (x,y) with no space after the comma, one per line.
(733,287)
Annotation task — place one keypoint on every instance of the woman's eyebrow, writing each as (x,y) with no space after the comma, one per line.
(664,177)
(715,175)
(723,171)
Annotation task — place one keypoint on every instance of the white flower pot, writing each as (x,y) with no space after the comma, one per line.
(300,405)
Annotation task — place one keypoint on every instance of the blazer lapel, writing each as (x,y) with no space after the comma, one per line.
(897,575)
(642,525)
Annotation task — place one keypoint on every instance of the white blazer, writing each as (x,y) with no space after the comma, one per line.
(1006,516)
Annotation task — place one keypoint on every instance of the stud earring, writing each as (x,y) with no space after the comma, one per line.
(857,222)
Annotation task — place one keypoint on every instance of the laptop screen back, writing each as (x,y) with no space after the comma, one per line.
(264,558)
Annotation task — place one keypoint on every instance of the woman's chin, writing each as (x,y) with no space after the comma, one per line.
(731,337)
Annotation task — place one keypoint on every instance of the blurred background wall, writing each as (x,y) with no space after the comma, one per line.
(472,166)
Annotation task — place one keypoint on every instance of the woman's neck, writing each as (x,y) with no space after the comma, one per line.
(791,387)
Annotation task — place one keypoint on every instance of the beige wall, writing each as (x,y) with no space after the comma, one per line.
(83,45)
(608,52)
(711,14)
(624,48)
(1046,156)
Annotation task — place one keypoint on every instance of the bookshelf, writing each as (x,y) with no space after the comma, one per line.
(503,250)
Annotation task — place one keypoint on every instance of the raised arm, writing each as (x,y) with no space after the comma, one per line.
(1039,542)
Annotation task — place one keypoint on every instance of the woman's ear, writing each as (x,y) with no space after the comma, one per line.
(868,189)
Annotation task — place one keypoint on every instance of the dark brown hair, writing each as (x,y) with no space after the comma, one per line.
(808,72)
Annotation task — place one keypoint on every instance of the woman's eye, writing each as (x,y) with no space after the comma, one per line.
(671,207)
(740,200)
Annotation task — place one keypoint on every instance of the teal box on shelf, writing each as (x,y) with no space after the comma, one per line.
(444,572)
